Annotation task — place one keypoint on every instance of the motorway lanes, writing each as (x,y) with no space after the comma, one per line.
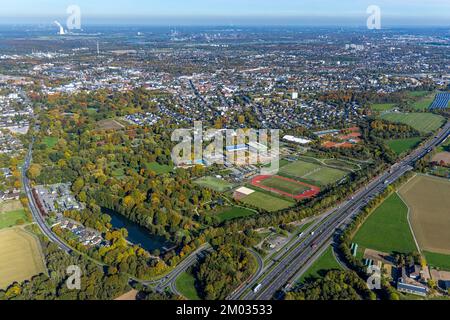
(305,249)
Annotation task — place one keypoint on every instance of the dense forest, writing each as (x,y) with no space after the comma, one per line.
(223,270)
(335,285)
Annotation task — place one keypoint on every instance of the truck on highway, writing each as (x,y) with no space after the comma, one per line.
(257,288)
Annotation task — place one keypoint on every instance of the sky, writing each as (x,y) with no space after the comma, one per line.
(395,12)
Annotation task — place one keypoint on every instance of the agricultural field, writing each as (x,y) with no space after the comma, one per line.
(428,199)
(20,256)
(185,284)
(158,168)
(214,183)
(387,228)
(436,260)
(11,214)
(266,202)
(312,173)
(233,213)
(382,107)
(423,122)
(400,146)
(325,263)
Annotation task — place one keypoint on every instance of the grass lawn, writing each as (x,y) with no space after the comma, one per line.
(266,202)
(233,213)
(312,173)
(185,283)
(424,102)
(399,146)
(423,122)
(118,173)
(9,219)
(214,183)
(92,111)
(445,146)
(437,260)
(325,263)
(158,168)
(381,107)
(387,228)
(418,94)
(50,141)
(341,164)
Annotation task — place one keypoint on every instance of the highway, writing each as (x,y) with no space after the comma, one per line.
(296,256)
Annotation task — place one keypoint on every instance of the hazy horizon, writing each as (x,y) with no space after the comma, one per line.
(230,12)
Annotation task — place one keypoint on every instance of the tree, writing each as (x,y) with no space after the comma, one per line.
(34,171)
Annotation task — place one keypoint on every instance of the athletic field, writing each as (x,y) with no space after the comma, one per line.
(20,256)
(214,183)
(313,173)
(286,187)
(423,122)
(266,202)
(381,107)
(233,213)
(429,201)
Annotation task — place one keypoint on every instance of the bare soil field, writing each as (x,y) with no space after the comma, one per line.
(109,125)
(429,202)
(442,156)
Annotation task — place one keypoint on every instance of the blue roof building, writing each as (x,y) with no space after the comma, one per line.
(411,288)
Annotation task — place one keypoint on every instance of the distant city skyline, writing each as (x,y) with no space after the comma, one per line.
(258,12)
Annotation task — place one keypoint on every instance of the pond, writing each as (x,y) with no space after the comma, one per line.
(138,234)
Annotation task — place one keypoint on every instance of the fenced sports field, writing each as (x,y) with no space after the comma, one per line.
(286,187)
